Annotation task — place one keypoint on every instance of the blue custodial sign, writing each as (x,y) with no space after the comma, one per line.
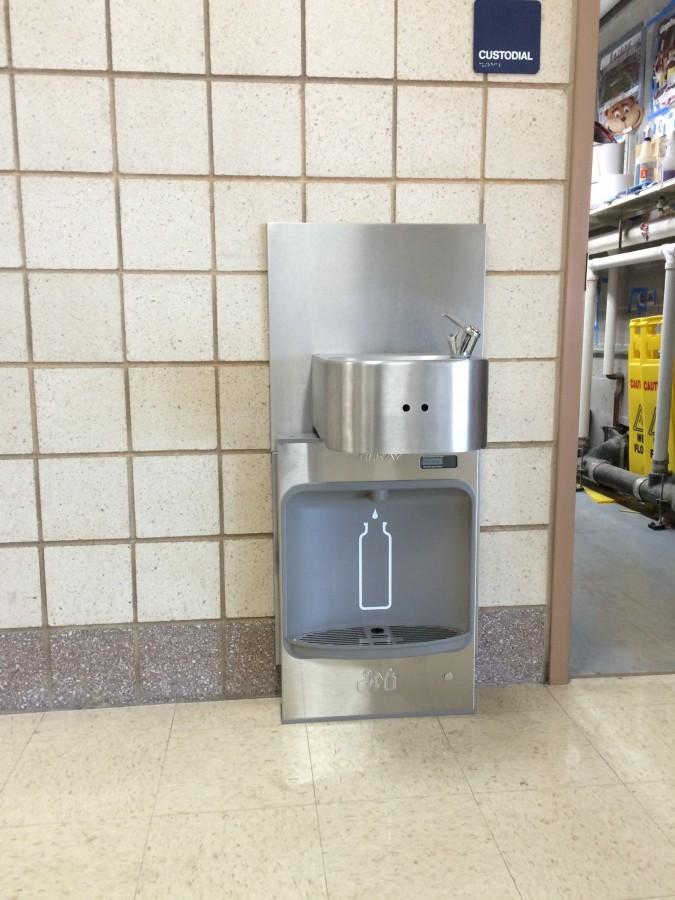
(507,36)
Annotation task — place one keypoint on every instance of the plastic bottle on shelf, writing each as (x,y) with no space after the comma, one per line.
(646,162)
(668,164)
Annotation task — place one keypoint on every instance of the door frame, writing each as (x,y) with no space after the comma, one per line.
(582,116)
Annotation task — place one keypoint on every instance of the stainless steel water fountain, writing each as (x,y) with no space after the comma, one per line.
(377,417)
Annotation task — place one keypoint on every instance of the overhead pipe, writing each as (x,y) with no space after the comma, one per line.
(632,236)
(608,363)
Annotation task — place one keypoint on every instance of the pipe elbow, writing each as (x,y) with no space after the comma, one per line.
(668,251)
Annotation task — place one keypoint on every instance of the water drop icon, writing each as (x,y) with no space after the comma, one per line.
(375,515)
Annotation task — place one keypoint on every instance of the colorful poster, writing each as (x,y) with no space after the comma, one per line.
(620,107)
(663,69)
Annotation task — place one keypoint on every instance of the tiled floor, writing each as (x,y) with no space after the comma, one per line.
(562,792)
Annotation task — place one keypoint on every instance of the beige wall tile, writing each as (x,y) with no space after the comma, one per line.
(438,203)
(80,410)
(521,315)
(10,251)
(435,40)
(256,128)
(513,568)
(331,202)
(557,21)
(521,402)
(157,35)
(524,226)
(518,121)
(88,585)
(244,407)
(69,222)
(20,605)
(7,160)
(18,520)
(439,132)
(168,317)
(58,34)
(176,496)
(63,123)
(348,130)
(16,434)
(165,224)
(84,499)
(13,346)
(259,37)
(516,486)
(242,317)
(242,210)
(249,578)
(178,581)
(162,126)
(350,40)
(75,317)
(3,34)
(173,408)
(247,493)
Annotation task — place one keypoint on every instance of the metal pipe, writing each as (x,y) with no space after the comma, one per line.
(665,386)
(632,258)
(632,236)
(608,364)
(605,474)
(587,356)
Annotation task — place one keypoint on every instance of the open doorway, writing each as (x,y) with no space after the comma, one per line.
(616,615)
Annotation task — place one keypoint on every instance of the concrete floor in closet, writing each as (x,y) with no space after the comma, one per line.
(623,609)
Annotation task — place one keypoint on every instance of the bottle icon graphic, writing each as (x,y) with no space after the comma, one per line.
(375,557)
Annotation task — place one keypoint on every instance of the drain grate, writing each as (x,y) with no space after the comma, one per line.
(394,635)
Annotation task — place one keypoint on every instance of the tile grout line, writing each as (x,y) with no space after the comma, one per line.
(224,178)
(316,809)
(457,759)
(154,803)
(142,75)
(131,499)
(394,122)
(216,342)
(45,633)
(303,108)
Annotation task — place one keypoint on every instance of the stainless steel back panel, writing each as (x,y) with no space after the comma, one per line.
(346,288)
(392,403)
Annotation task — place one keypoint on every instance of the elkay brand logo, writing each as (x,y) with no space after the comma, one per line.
(507,36)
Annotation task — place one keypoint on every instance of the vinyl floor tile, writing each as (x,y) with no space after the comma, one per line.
(226,715)
(99,861)
(639,690)
(374,760)
(435,848)
(524,751)
(83,779)
(214,771)
(586,843)
(244,855)
(638,742)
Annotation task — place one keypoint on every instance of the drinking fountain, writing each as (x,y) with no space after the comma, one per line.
(377,419)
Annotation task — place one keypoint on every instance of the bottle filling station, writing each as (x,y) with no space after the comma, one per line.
(378,407)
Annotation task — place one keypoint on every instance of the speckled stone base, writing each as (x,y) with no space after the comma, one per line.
(70,668)
(511,644)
